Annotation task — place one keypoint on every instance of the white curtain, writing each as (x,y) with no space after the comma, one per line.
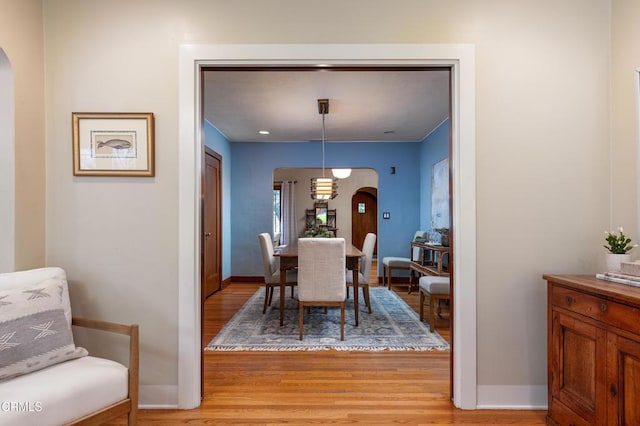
(289,225)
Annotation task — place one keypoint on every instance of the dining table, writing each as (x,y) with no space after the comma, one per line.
(289,260)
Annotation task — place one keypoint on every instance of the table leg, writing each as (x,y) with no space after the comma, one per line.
(356,293)
(283,285)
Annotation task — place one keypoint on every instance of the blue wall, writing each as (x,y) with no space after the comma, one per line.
(433,148)
(247,170)
(252,166)
(214,140)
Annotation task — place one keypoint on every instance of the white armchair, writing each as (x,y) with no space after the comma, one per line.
(40,366)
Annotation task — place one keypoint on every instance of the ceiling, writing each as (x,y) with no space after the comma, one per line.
(364,105)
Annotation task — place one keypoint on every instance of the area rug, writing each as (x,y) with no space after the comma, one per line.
(392,326)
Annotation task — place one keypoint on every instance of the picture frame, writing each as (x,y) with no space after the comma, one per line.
(113,143)
(321,213)
(440,194)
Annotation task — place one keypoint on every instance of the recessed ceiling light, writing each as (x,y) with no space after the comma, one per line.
(264,132)
(389,132)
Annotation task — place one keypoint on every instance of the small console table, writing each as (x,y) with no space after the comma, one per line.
(434,259)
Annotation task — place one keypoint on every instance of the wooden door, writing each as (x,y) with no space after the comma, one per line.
(364,217)
(212,235)
(578,350)
(623,387)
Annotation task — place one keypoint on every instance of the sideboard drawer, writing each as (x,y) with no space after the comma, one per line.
(613,313)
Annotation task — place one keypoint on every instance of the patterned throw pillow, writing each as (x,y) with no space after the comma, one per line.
(34,332)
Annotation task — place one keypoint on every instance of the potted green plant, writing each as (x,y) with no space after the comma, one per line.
(318,232)
(619,246)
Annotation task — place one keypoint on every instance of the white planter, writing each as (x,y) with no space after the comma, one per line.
(614,261)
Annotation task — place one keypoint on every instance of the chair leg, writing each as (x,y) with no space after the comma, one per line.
(384,275)
(292,292)
(432,313)
(367,301)
(266,299)
(342,321)
(389,277)
(301,320)
(421,305)
(270,295)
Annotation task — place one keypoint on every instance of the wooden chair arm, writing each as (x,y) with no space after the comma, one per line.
(134,353)
(103,325)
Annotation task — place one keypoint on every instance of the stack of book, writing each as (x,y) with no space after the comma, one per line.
(629,274)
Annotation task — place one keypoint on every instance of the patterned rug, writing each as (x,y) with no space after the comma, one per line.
(393,325)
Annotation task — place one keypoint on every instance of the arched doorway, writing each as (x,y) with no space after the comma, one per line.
(7,165)
(364,216)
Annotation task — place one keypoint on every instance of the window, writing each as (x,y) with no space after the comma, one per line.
(277,212)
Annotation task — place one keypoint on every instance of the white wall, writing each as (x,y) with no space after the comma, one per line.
(360,178)
(542,152)
(625,64)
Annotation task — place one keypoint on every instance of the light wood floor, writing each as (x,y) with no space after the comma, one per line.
(327,387)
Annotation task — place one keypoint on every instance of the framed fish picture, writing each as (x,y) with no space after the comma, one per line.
(113,144)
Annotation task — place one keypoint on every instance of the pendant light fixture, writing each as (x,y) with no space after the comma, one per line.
(324,188)
(341,173)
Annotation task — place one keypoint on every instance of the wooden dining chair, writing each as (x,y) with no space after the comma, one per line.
(364,273)
(271,267)
(321,278)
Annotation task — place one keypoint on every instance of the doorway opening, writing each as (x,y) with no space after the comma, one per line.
(364,216)
(359,214)
(459,58)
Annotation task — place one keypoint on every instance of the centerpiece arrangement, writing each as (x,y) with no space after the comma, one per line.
(318,232)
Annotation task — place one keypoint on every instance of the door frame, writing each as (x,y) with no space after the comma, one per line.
(214,154)
(461,60)
(361,190)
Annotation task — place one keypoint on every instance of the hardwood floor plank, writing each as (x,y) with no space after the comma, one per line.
(325,387)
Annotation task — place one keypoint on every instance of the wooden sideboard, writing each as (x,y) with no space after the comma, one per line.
(593,350)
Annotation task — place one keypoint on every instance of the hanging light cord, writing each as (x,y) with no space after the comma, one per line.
(323,144)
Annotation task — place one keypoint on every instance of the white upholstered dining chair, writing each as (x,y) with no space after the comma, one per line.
(271,265)
(364,273)
(321,279)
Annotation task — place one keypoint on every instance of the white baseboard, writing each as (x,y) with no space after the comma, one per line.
(512,397)
(158,397)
